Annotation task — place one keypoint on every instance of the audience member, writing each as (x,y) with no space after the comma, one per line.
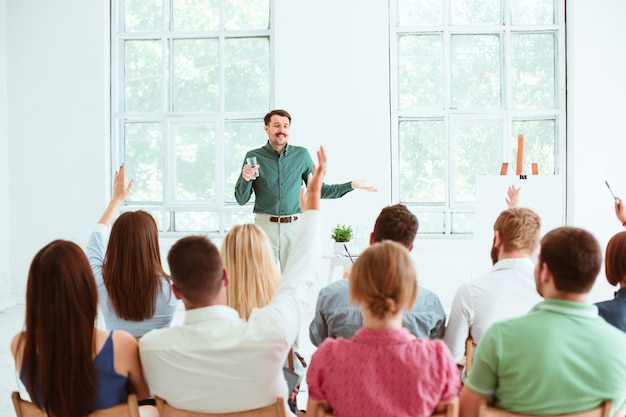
(134,291)
(276,181)
(614,311)
(383,370)
(247,256)
(69,367)
(335,316)
(507,291)
(215,361)
(561,357)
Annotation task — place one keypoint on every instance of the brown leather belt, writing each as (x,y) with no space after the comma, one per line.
(283,219)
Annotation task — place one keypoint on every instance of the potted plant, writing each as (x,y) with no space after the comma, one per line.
(341,234)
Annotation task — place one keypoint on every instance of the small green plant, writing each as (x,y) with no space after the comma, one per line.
(341,233)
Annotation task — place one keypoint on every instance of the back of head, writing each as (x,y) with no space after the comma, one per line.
(196,269)
(615,259)
(61,309)
(519,228)
(247,256)
(384,279)
(277,112)
(396,223)
(573,256)
(132,268)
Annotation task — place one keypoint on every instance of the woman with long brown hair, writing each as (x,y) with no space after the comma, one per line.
(134,291)
(69,367)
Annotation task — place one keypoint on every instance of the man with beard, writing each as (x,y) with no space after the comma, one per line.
(561,357)
(282,169)
(507,291)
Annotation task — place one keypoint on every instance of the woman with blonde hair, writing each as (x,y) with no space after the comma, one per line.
(247,256)
(382,369)
(134,291)
(69,367)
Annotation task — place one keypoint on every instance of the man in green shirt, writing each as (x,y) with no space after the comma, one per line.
(561,357)
(282,169)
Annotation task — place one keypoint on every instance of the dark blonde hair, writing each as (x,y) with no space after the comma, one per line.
(132,267)
(247,256)
(61,309)
(615,259)
(384,279)
(519,228)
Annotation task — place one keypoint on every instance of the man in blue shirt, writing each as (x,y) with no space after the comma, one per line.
(283,169)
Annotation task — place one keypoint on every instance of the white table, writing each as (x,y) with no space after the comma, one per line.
(336,261)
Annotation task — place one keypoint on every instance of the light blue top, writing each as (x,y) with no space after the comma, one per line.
(336,317)
(165,304)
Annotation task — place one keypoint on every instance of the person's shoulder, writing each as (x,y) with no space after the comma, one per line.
(335,290)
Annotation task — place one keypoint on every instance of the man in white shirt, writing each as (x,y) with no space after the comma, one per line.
(215,362)
(509,288)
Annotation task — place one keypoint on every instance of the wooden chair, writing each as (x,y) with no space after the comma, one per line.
(452,410)
(604,410)
(25,408)
(275,410)
(469,353)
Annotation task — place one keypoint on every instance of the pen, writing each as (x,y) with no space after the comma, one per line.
(349,256)
(609,187)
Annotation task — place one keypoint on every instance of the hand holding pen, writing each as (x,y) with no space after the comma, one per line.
(620,210)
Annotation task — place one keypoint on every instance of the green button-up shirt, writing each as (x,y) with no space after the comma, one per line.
(277,188)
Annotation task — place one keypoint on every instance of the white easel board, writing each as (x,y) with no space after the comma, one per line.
(545,194)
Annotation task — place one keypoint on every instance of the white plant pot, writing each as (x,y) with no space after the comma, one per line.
(340,249)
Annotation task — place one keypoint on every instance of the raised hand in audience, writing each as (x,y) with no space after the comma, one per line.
(620,211)
(512,199)
(120,192)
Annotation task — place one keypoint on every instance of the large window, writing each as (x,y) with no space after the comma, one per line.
(190,85)
(469,76)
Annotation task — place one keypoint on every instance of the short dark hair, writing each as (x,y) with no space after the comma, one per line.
(196,268)
(574,258)
(277,112)
(614,260)
(396,223)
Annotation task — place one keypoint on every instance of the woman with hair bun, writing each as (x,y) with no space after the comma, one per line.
(383,369)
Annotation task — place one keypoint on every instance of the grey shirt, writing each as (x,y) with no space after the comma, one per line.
(336,317)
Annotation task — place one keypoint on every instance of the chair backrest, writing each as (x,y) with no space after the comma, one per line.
(275,410)
(452,410)
(604,410)
(25,408)
(469,353)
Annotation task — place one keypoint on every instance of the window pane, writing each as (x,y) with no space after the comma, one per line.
(540,145)
(422,161)
(143,160)
(476,71)
(420,72)
(196,75)
(431,223)
(142,76)
(478,146)
(142,15)
(239,138)
(532,12)
(476,12)
(197,221)
(247,74)
(462,223)
(246,14)
(533,70)
(196,14)
(419,12)
(195,163)
(238,217)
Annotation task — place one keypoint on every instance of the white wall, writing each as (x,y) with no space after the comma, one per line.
(6,289)
(57,125)
(336,90)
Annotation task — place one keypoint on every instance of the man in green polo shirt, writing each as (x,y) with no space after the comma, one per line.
(282,169)
(561,357)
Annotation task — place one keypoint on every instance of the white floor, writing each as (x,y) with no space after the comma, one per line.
(12,321)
